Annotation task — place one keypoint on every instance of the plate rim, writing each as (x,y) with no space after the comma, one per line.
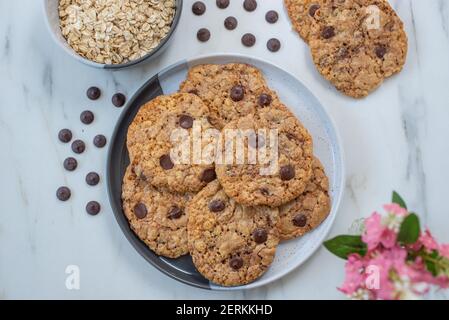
(239,57)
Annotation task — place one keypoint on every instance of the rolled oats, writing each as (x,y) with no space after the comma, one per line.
(115,31)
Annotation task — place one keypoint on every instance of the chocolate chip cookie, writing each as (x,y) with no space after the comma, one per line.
(162,143)
(230,244)
(230,90)
(309,210)
(356,44)
(158,217)
(302,14)
(270,161)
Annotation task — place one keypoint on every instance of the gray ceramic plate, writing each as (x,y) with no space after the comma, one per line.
(307,108)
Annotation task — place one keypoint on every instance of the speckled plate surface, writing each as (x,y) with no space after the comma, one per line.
(307,108)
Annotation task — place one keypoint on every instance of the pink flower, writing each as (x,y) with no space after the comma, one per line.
(428,241)
(373,231)
(396,209)
(444,250)
(354,278)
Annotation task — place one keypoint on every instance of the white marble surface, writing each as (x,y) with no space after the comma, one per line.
(395,138)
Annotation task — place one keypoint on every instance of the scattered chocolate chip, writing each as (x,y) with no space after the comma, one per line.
(236,263)
(174,212)
(273,45)
(222,4)
(92,178)
(99,141)
(70,164)
(198,8)
(216,205)
(260,235)
(140,210)
(93,93)
(250,5)
(300,220)
(230,23)
(87,117)
(328,32)
(78,146)
(118,100)
(186,121)
(264,100)
(208,175)
(264,191)
(166,162)
(313,9)
(256,141)
(287,172)
(203,35)
(237,93)
(248,40)
(381,51)
(194,91)
(65,135)
(93,208)
(63,193)
(271,16)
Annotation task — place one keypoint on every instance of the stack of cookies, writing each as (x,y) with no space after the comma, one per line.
(355,44)
(229,216)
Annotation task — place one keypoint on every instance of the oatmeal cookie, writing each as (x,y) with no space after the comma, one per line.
(230,90)
(356,44)
(230,244)
(160,160)
(266,180)
(302,13)
(309,210)
(158,217)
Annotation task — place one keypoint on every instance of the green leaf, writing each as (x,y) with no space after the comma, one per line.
(342,246)
(396,198)
(410,229)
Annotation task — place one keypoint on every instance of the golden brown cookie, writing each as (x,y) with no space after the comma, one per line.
(302,13)
(309,210)
(271,180)
(158,217)
(230,244)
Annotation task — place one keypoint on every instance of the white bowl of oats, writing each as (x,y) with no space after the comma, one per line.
(112,34)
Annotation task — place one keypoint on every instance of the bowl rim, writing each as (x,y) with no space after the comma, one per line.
(153,53)
(335,206)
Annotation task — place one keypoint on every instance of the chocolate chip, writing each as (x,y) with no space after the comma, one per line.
(250,5)
(92,178)
(203,35)
(287,172)
(264,100)
(237,93)
(186,121)
(216,205)
(140,210)
(78,146)
(65,135)
(222,4)
(194,91)
(174,212)
(271,16)
(273,45)
(256,141)
(70,164)
(63,193)
(328,32)
(230,23)
(264,191)
(300,220)
(208,175)
(99,141)
(93,93)
(87,117)
(381,51)
(93,208)
(260,235)
(313,9)
(198,8)
(248,40)
(166,162)
(118,100)
(236,263)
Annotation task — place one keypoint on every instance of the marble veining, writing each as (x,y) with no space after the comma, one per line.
(394,139)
